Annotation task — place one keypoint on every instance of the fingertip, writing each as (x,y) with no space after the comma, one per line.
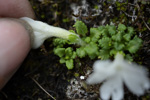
(14,47)
(16,9)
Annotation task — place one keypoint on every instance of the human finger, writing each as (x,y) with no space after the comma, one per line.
(14,47)
(16,8)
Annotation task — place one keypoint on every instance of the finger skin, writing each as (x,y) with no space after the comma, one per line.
(16,9)
(14,47)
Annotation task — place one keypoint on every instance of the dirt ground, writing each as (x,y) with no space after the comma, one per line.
(42,68)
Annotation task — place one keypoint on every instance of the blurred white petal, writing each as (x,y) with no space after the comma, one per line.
(137,83)
(96,78)
(115,73)
(101,72)
(100,66)
(112,87)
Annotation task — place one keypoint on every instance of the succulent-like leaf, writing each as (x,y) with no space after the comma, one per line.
(81,28)
(59,51)
(59,42)
(69,64)
(129,57)
(130,30)
(95,32)
(134,44)
(100,28)
(117,37)
(62,60)
(111,29)
(113,52)
(92,50)
(74,54)
(127,37)
(119,46)
(87,39)
(104,54)
(105,42)
(68,53)
(81,52)
(73,38)
(121,27)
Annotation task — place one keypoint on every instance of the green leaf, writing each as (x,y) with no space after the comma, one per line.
(81,28)
(104,54)
(69,64)
(105,32)
(92,50)
(134,45)
(95,32)
(68,52)
(73,38)
(94,39)
(81,52)
(121,27)
(129,57)
(105,42)
(117,37)
(87,39)
(127,37)
(130,30)
(59,42)
(74,55)
(111,29)
(72,31)
(129,34)
(119,46)
(118,4)
(113,52)
(59,51)
(62,60)
(100,28)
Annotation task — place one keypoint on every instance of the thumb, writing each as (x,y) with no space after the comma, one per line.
(14,47)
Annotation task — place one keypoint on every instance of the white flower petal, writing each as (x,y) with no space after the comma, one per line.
(135,76)
(101,72)
(101,65)
(118,61)
(95,78)
(135,83)
(112,87)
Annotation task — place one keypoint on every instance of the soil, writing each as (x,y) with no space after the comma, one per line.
(42,66)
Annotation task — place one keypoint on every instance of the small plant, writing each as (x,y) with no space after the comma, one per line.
(103,42)
(66,56)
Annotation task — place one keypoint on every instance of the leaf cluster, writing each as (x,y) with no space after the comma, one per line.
(102,42)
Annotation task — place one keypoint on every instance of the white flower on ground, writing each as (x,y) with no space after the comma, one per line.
(114,74)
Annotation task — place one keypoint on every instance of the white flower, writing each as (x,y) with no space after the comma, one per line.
(43,31)
(114,74)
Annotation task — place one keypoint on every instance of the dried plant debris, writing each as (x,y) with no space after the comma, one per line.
(76,90)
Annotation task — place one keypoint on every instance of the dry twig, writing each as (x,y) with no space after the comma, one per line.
(143,18)
(42,88)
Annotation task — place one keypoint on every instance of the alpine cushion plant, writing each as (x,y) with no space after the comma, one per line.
(114,74)
(103,42)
